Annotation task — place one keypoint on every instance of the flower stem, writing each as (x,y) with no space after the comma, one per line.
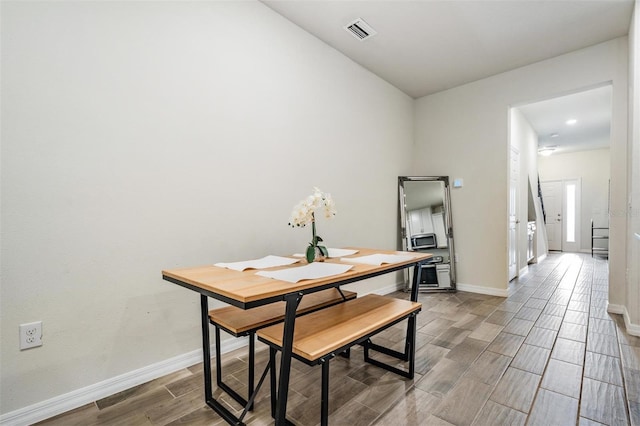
(313,230)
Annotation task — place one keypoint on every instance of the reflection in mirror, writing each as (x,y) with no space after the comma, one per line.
(425,226)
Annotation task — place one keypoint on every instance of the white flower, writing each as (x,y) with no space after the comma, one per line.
(303,212)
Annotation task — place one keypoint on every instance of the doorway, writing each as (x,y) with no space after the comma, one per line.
(561,201)
(514,197)
(564,148)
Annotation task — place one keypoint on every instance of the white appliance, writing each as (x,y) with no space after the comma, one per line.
(435,275)
(443,272)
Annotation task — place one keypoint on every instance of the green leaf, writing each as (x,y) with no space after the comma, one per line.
(324,251)
(311,253)
(318,239)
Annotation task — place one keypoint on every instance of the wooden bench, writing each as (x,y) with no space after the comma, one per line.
(320,336)
(239,322)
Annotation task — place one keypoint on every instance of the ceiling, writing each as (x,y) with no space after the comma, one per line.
(426,46)
(592,111)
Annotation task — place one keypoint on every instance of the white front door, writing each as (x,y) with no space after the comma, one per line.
(562,207)
(552,200)
(514,182)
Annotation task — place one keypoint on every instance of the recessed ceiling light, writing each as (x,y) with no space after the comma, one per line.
(571,122)
(554,135)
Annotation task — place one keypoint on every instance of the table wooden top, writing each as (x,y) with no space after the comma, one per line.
(246,286)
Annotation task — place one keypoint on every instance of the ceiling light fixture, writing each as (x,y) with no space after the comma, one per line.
(571,122)
(554,135)
(547,150)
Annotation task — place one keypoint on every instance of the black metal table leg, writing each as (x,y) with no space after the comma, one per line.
(285,361)
(411,325)
(252,362)
(414,284)
(206,355)
(206,347)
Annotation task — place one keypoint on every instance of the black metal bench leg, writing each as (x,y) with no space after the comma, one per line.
(252,359)
(324,414)
(410,339)
(272,367)
(218,358)
(408,355)
(411,346)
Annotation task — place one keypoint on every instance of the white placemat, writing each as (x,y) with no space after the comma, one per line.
(336,252)
(378,259)
(269,261)
(311,271)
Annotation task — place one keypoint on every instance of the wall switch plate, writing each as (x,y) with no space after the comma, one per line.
(30,335)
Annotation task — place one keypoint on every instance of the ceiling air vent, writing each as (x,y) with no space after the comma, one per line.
(360,29)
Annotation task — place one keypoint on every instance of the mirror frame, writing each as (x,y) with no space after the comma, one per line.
(402,226)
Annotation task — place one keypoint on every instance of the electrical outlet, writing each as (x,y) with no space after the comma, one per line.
(30,335)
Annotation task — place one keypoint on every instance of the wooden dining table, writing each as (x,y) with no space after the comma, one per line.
(246,290)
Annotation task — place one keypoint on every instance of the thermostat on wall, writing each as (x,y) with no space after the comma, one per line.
(457,183)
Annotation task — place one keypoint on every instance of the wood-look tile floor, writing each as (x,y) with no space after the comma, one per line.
(549,354)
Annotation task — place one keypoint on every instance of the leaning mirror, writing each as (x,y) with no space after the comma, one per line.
(425,226)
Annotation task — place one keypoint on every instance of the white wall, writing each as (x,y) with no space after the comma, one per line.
(463,133)
(139,136)
(593,169)
(525,139)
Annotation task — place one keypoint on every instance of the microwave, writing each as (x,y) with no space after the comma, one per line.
(423,241)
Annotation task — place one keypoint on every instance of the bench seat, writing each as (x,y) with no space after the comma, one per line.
(240,322)
(320,333)
(320,336)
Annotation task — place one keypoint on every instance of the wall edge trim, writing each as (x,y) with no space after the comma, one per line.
(632,329)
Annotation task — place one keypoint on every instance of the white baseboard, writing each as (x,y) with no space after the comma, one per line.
(632,329)
(541,258)
(616,309)
(385,290)
(482,290)
(74,399)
